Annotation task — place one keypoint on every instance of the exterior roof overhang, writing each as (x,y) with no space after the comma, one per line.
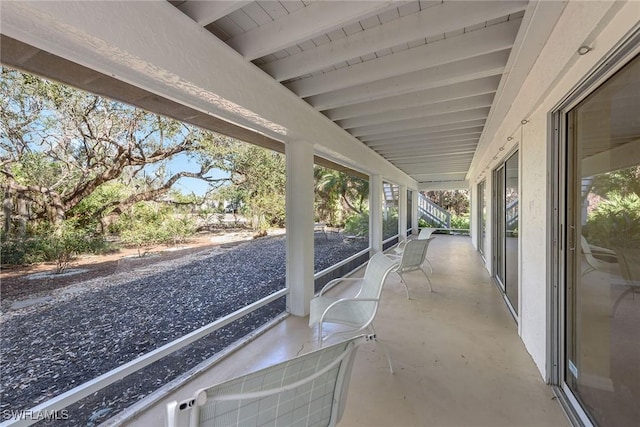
(410,90)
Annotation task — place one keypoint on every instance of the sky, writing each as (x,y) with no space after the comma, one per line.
(182,162)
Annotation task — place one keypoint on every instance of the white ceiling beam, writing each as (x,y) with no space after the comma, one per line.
(452,158)
(422,130)
(446,185)
(455,72)
(422,141)
(442,119)
(428,131)
(432,21)
(426,154)
(469,45)
(538,23)
(436,171)
(185,64)
(437,178)
(435,168)
(432,180)
(206,12)
(305,23)
(420,166)
(419,112)
(417,99)
(427,150)
(472,132)
(436,145)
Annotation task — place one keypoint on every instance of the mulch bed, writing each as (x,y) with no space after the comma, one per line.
(113,318)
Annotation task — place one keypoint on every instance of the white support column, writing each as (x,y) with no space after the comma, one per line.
(414,212)
(375,213)
(299,222)
(402,213)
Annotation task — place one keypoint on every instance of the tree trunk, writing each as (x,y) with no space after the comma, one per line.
(23,215)
(7,211)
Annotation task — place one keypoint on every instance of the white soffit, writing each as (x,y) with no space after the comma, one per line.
(412,83)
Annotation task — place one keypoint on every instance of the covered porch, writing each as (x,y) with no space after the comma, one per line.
(457,356)
(421,95)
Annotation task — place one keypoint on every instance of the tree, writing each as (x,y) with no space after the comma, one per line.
(256,183)
(455,201)
(58,145)
(337,191)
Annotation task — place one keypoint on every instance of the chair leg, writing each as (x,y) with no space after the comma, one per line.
(384,347)
(320,335)
(406,289)
(619,300)
(430,266)
(428,280)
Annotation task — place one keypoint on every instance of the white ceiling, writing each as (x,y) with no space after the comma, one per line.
(413,80)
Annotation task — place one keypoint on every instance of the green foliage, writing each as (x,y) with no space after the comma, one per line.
(623,182)
(65,152)
(390,223)
(455,201)
(48,243)
(422,223)
(460,222)
(147,224)
(257,182)
(91,209)
(338,194)
(615,221)
(358,224)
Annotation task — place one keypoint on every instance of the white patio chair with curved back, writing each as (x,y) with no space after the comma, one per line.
(594,263)
(412,258)
(356,313)
(309,390)
(424,234)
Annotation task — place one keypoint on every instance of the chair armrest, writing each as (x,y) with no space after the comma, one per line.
(343,300)
(331,283)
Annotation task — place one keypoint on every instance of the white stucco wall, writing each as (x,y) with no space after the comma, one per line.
(558,69)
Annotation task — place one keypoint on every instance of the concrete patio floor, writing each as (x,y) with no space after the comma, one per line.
(458,359)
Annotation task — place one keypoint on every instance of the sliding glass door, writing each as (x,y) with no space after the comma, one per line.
(506,178)
(482,216)
(601,310)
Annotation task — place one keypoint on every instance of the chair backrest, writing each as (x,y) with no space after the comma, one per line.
(374,276)
(414,254)
(425,233)
(308,390)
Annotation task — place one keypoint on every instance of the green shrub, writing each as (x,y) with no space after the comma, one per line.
(358,224)
(47,243)
(615,221)
(422,223)
(460,222)
(147,224)
(390,224)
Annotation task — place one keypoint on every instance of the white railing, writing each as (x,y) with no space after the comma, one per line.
(512,214)
(67,398)
(340,264)
(433,213)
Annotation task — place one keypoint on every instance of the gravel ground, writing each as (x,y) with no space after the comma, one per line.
(50,348)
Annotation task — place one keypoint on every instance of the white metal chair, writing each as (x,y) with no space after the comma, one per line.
(424,234)
(358,312)
(595,264)
(412,258)
(309,390)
